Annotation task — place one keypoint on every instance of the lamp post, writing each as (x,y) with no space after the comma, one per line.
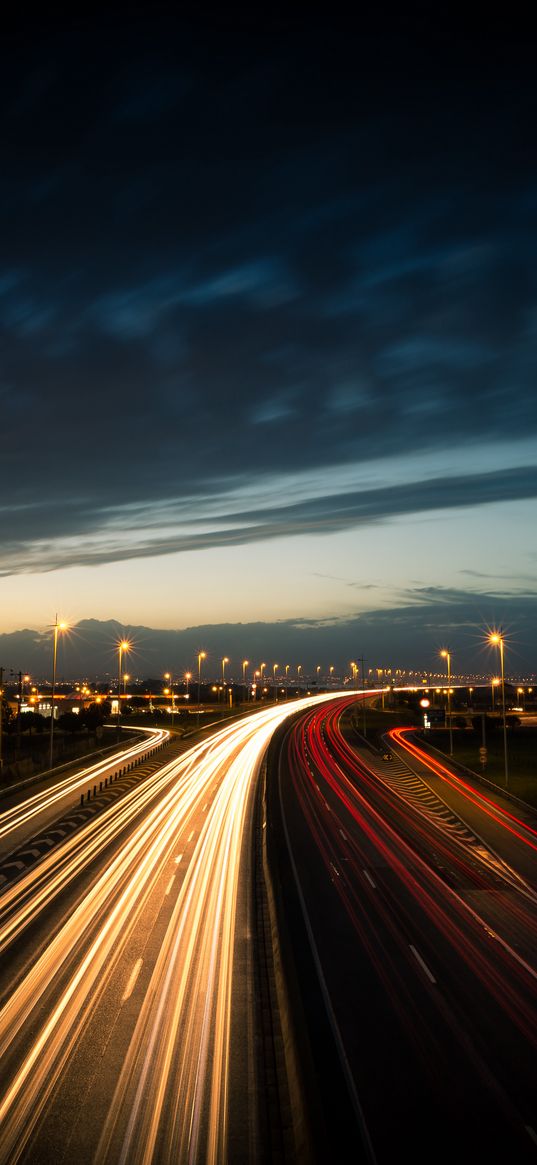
(274,670)
(494,684)
(224,661)
(188,677)
(317,670)
(56,628)
(122,648)
(298,671)
(331,671)
(497,640)
(201,655)
(245,663)
(447,656)
(169,677)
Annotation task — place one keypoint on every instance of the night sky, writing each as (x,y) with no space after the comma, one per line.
(268,294)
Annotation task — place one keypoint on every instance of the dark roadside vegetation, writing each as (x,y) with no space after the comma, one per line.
(468,739)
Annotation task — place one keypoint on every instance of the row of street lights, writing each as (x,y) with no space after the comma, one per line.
(495,638)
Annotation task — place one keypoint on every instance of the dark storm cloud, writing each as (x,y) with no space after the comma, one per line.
(101,536)
(226,257)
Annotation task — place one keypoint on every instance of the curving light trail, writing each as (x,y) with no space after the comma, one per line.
(509,821)
(419,895)
(179,1050)
(33,807)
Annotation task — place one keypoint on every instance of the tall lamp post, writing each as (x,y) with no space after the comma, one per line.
(298,671)
(56,628)
(122,648)
(224,661)
(497,640)
(447,656)
(169,677)
(495,683)
(245,663)
(201,655)
(275,690)
(188,677)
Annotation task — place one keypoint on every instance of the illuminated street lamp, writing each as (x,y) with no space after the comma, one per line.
(274,669)
(521,692)
(188,677)
(298,671)
(224,661)
(497,640)
(168,676)
(331,670)
(495,683)
(57,628)
(245,663)
(447,656)
(317,669)
(123,647)
(354,671)
(201,655)
(262,667)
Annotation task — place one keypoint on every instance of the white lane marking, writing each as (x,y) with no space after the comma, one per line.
(170,884)
(369,878)
(204,807)
(343,835)
(178,859)
(422,963)
(133,977)
(191,836)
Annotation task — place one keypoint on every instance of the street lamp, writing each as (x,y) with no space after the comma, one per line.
(274,669)
(57,628)
(447,656)
(245,663)
(188,677)
(122,647)
(298,671)
(317,669)
(201,655)
(497,640)
(169,677)
(495,683)
(330,670)
(224,661)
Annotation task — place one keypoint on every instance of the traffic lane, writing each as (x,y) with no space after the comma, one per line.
(508,828)
(25,813)
(167,1038)
(461,859)
(89,930)
(76,1112)
(402,1033)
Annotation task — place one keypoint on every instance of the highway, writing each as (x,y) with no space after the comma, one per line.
(129,1018)
(412,945)
(19,819)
